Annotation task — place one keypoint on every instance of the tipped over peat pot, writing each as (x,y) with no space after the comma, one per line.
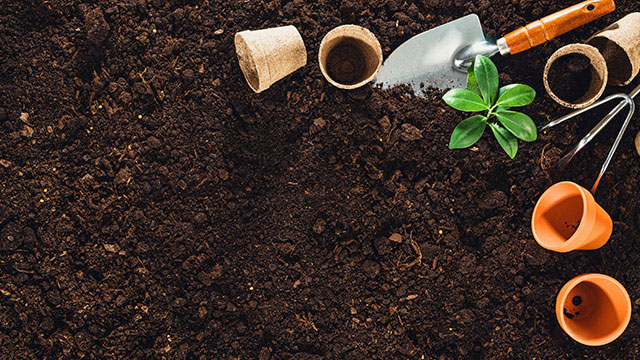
(620,46)
(268,55)
(567,218)
(350,56)
(594,309)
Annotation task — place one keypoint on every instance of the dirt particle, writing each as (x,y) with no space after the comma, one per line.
(410,133)
(96,26)
(200,218)
(395,237)
(265,354)
(371,268)
(319,226)
(382,245)
(319,122)
(154,142)
(188,75)
(568,314)
(384,123)
(112,248)
(207,278)
(577,300)
(27,131)
(122,176)
(86,178)
(492,200)
(83,340)
(54,297)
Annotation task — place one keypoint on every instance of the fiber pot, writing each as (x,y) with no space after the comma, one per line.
(350,56)
(594,309)
(598,70)
(620,46)
(268,55)
(567,218)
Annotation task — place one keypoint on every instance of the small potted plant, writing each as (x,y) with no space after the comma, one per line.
(484,95)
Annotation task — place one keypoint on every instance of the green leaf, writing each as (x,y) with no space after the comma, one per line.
(487,76)
(500,93)
(468,132)
(507,141)
(516,95)
(518,124)
(504,89)
(464,100)
(472,83)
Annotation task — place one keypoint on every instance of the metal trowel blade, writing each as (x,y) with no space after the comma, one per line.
(425,60)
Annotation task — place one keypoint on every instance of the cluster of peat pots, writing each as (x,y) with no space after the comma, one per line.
(594,309)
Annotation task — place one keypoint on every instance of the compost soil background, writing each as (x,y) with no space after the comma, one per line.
(152,206)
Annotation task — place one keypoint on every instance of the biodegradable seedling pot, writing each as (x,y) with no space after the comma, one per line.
(620,46)
(268,55)
(350,56)
(597,70)
(568,218)
(594,309)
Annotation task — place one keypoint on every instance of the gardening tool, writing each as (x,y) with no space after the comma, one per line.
(567,216)
(439,57)
(594,309)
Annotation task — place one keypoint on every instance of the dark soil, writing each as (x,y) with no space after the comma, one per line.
(153,207)
(570,77)
(351,61)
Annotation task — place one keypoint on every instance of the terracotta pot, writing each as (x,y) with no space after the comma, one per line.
(268,55)
(594,309)
(568,218)
(350,56)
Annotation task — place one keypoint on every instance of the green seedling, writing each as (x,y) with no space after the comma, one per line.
(483,95)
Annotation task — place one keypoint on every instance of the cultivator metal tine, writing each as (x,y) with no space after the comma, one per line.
(626,100)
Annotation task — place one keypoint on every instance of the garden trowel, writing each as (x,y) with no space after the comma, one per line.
(439,57)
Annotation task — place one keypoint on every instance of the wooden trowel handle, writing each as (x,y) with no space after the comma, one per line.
(557,24)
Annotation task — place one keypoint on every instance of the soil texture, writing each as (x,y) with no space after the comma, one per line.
(570,76)
(153,207)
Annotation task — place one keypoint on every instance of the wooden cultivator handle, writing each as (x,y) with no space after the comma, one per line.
(557,24)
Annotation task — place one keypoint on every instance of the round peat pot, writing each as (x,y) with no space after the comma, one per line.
(350,56)
(575,75)
(568,218)
(594,309)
